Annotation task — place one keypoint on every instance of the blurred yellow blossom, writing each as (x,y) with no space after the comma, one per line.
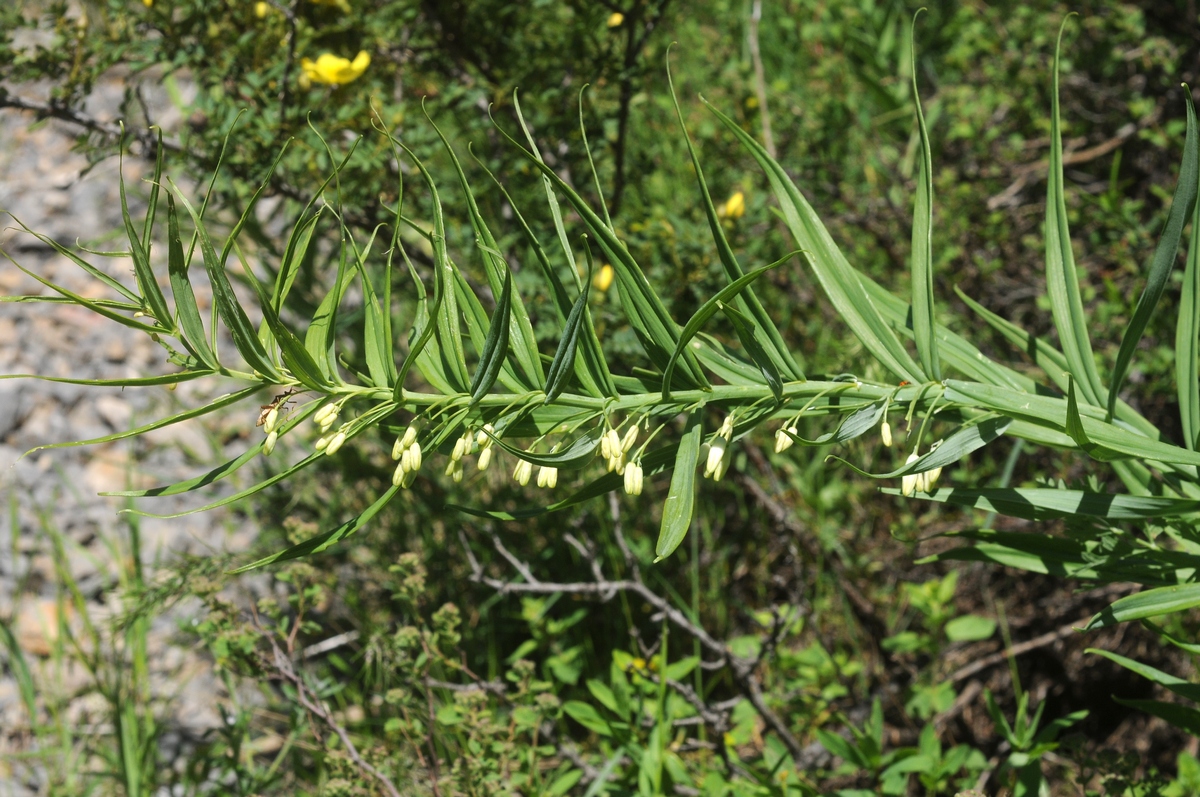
(734,207)
(603,278)
(148,3)
(261,9)
(332,69)
(615,20)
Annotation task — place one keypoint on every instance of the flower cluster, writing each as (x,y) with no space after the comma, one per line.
(408,451)
(922,482)
(325,418)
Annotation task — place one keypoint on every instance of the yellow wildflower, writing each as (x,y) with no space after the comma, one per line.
(615,19)
(734,207)
(261,9)
(148,3)
(603,278)
(332,69)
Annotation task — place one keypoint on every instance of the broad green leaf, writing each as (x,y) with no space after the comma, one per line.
(970,628)
(239,326)
(156,303)
(1047,504)
(1148,603)
(190,323)
(1182,205)
(748,303)
(495,348)
(1177,685)
(705,312)
(604,696)
(587,716)
(1062,280)
(923,315)
(837,277)
(327,539)
(681,500)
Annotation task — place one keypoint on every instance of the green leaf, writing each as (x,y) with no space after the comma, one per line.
(747,303)
(574,457)
(842,749)
(1074,427)
(705,312)
(970,628)
(1062,280)
(923,314)
(327,539)
(191,325)
(681,500)
(232,314)
(1177,685)
(747,333)
(495,348)
(86,266)
(156,303)
(605,696)
(1187,340)
(963,441)
(564,356)
(587,716)
(1148,603)
(1183,717)
(1045,356)
(1182,205)
(1047,504)
(853,425)
(137,381)
(840,281)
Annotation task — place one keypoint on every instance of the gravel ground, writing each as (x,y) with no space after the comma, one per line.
(55,492)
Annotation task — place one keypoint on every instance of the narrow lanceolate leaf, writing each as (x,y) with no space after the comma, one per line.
(1161,265)
(681,500)
(1062,280)
(853,425)
(495,347)
(156,303)
(75,298)
(477,322)
(155,186)
(836,275)
(1176,684)
(1045,356)
(524,343)
(922,238)
(319,337)
(1148,603)
(728,294)
(574,457)
(748,333)
(244,335)
(293,258)
(322,541)
(1187,338)
(136,381)
(190,324)
(748,303)
(564,357)
(83,264)
(1074,427)
(1048,504)
(962,442)
(1185,718)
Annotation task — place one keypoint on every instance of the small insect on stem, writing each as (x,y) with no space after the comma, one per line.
(278,402)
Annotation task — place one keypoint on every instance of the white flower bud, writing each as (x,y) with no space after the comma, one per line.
(460,448)
(522,472)
(269,443)
(322,442)
(335,443)
(485,458)
(326,415)
(457,472)
(399,474)
(451,466)
(547,477)
(723,465)
(931,477)
(629,439)
(885,432)
(782,441)
(411,458)
(271,421)
(912,482)
(605,448)
(726,429)
(404,441)
(482,437)
(633,478)
(716,452)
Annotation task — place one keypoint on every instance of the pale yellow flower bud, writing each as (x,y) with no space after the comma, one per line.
(457,473)
(322,442)
(269,443)
(411,458)
(885,432)
(547,477)
(726,429)
(716,452)
(633,478)
(912,482)
(460,448)
(629,439)
(482,438)
(485,458)
(522,472)
(783,441)
(335,443)
(723,465)
(398,475)
(271,421)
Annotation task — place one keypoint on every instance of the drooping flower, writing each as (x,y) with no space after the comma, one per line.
(522,472)
(333,70)
(913,481)
(885,433)
(633,478)
(604,278)
(547,477)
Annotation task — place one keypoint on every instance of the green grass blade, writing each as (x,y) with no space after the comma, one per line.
(190,323)
(747,303)
(1177,685)
(20,671)
(155,187)
(924,321)
(327,539)
(840,281)
(1182,206)
(495,348)
(245,338)
(156,303)
(681,500)
(1148,603)
(1187,341)
(1062,279)
(706,311)
(1185,718)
